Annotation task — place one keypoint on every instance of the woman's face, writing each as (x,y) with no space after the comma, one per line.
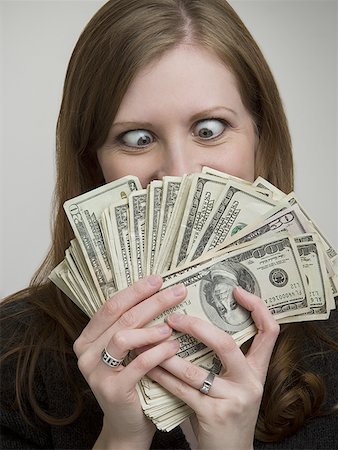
(180,113)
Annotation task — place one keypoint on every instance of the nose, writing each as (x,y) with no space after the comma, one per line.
(179,159)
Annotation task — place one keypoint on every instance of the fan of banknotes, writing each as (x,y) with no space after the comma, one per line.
(212,232)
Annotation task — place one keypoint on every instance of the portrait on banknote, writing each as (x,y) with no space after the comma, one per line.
(216,295)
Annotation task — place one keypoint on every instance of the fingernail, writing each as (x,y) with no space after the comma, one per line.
(178,289)
(165,329)
(175,318)
(154,280)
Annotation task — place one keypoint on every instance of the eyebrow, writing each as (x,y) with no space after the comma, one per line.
(200,115)
(212,112)
(132,124)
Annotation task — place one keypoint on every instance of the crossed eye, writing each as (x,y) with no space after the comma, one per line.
(205,129)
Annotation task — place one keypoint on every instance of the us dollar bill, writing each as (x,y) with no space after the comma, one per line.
(153,221)
(137,218)
(321,300)
(122,257)
(272,270)
(237,207)
(276,193)
(281,218)
(164,256)
(217,173)
(80,271)
(204,191)
(84,213)
(59,276)
(171,186)
(312,227)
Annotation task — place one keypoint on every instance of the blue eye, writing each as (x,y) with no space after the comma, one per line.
(137,138)
(209,128)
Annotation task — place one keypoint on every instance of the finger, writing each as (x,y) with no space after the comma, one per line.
(126,340)
(92,360)
(147,360)
(152,307)
(191,396)
(142,314)
(262,346)
(190,374)
(218,340)
(121,302)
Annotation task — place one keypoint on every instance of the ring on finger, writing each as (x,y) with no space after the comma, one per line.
(109,359)
(207,383)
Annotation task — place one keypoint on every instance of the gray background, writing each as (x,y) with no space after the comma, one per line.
(298,38)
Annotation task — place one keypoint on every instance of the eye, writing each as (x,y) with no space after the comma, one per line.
(137,138)
(209,128)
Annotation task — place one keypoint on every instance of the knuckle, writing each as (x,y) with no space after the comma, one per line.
(220,411)
(274,328)
(257,392)
(227,345)
(238,406)
(111,307)
(271,329)
(82,364)
(120,341)
(128,319)
(77,347)
(138,289)
(191,373)
(180,389)
(143,362)
(161,301)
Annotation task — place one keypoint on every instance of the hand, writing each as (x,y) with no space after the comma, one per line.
(118,327)
(226,417)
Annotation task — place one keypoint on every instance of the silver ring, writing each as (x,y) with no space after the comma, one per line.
(207,383)
(109,359)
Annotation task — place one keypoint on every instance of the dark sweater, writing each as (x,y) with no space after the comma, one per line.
(56,397)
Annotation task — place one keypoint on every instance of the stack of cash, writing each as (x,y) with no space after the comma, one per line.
(212,232)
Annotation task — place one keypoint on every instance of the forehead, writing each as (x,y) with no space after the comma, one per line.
(189,75)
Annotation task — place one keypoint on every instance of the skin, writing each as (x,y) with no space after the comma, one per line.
(226,305)
(190,114)
(171,101)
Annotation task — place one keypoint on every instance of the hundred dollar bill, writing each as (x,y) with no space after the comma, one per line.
(276,193)
(84,213)
(217,173)
(59,277)
(272,270)
(171,186)
(81,273)
(122,258)
(79,284)
(164,256)
(329,249)
(137,232)
(238,206)
(108,240)
(153,220)
(259,188)
(281,218)
(321,300)
(204,191)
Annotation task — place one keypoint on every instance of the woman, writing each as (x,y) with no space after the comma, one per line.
(160,88)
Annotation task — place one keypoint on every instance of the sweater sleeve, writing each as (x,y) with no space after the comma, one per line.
(55,396)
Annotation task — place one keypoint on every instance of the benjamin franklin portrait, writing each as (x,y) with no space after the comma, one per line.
(217,298)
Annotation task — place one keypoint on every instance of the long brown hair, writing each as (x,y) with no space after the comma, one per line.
(122,38)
